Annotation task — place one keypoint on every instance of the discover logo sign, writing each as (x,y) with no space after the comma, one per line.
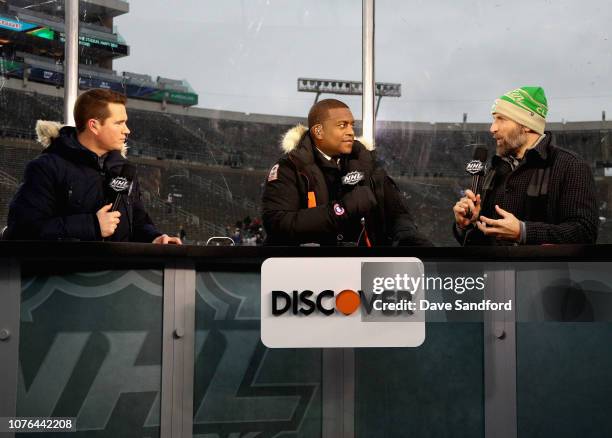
(339,302)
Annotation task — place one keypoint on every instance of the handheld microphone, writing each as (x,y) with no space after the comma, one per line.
(476,168)
(122,183)
(352,178)
(349,181)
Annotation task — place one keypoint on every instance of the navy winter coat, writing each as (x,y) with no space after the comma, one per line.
(65,186)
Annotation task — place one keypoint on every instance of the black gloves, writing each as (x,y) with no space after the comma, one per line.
(359,201)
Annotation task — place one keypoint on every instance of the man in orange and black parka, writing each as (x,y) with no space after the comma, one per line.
(329,188)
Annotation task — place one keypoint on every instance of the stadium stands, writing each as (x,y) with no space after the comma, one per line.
(14,155)
(8,185)
(158,129)
(258,143)
(206,173)
(20,110)
(428,153)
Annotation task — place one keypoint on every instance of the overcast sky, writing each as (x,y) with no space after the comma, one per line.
(450,56)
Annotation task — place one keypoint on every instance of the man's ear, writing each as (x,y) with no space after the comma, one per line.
(93,125)
(317,131)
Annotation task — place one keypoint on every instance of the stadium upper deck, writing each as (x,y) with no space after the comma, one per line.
(38,29)
(32,49)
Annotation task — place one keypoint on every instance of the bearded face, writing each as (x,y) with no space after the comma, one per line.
(509,135)
(509,143)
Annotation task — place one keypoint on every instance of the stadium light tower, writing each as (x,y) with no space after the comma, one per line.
(71,59)
(353,88)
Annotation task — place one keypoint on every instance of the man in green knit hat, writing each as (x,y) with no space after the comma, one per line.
(533,192)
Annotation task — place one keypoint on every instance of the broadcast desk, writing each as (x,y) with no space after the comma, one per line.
(142,340)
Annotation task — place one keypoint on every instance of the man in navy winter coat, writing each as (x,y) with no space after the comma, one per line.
(66,193)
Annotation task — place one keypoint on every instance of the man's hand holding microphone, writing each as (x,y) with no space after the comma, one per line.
(359,201)
(109,216)
(109,220)
(467,209)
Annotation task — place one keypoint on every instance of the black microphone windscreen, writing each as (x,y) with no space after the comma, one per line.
(122,182)
(128,171)
(480,153)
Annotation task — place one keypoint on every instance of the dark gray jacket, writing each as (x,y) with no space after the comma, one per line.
(552,191)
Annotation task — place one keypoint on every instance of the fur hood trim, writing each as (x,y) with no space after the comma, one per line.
(292,138)
(47,131)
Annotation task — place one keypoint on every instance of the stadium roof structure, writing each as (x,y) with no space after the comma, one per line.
(94,8)
(353,88)
(32,42)
(38,28)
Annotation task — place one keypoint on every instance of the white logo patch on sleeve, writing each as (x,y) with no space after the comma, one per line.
(273,175)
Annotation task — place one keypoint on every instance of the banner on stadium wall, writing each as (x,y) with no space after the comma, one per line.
(183,98)
(93,82)
(46,76)
(17,26)
(176,97)
(139,92)
(26,27)
(97,43)
(49,34)
(342,302)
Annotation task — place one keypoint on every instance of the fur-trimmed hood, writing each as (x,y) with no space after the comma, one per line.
(292,139)
(47,131)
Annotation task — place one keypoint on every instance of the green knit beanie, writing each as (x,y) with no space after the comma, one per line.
(527,106)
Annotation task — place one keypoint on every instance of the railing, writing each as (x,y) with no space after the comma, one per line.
(41,100)
(187,217)
(17,133)
(8,180)
(239,201)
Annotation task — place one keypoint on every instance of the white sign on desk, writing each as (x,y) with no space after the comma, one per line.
(342,302)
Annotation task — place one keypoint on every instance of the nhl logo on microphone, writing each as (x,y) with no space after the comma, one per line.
(475,167)
(119,184)
(352,178)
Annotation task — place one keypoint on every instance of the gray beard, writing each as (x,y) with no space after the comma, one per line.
(510,147)
(507,150)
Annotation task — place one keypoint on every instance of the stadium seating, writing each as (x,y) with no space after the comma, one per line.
(206,174)
(20,110)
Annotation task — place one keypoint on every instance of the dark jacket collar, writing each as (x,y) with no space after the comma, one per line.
(541,151)
(68,147)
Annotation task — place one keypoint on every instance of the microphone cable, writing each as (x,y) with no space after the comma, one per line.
(364,234)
